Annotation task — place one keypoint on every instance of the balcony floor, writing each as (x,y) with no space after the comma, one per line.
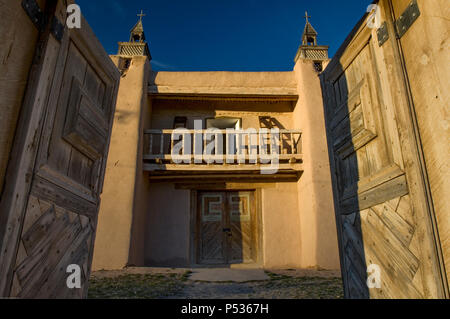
(218,173)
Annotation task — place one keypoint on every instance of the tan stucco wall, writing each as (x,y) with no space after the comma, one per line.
(319,246)
(250,83)
(141,202)
(281,227)
(115,247)
(164,112)
(168,227)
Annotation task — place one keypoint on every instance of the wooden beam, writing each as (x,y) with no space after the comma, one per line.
(220,168)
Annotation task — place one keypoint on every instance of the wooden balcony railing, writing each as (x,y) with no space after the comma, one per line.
(241,150)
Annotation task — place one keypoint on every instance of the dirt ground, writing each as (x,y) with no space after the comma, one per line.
(154,283)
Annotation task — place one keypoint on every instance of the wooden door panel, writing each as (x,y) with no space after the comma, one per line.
(54,240)
(375,215)
(79,134)
(59,218)
(212,214)
(360,142)
(227,228)
(241,219)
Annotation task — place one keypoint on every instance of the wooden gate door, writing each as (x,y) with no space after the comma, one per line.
(382,209)
(226,227)
(51,203)
(212,243)
(241,220)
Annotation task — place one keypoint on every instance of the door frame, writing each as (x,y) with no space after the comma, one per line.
(194,231)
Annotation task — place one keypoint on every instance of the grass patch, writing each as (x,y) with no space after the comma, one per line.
(146,286)
(186,275)
(157,286)
(307,287)
(274,276)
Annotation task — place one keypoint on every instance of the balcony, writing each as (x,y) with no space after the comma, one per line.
(223,154)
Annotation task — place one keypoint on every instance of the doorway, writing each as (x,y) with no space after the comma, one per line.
(227,228)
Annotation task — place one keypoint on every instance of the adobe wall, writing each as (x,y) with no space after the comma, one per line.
(231,83)
(319,246)
(141,203)
(281,227)
(165,111)
(167,227)
(124,186)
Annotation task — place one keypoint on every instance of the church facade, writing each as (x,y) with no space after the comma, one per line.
(218,168)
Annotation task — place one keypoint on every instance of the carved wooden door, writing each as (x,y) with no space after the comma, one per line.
(227,222)
(241,216)
(381,213)
(212,244)
(74,99)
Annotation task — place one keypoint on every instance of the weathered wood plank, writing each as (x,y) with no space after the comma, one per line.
(393,188)
(220,168)
(391,252)
(75,254)
(48,191)
(399,227)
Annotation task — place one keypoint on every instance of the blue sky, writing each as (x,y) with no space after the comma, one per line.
(219,35)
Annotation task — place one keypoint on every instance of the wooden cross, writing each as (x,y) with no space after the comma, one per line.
(307,16)
(141,15)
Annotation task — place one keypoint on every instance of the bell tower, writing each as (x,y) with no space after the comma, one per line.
(137,45)
(309,49)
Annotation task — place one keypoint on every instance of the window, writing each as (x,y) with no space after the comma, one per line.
(224,123)
(180,122)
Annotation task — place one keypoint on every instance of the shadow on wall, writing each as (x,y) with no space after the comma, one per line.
(152,80)
(268,122)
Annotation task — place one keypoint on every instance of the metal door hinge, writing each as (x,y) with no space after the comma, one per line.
(34,12)
(57,29)
(383,34)
(407,19)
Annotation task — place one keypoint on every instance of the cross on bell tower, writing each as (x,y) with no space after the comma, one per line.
(307,16)
(140,15)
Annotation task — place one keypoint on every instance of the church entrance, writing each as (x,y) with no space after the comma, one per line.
(226,228)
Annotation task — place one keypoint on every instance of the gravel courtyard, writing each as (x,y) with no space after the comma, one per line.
(149,283)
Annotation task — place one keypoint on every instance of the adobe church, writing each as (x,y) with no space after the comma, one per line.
(158,213)
(339,163)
